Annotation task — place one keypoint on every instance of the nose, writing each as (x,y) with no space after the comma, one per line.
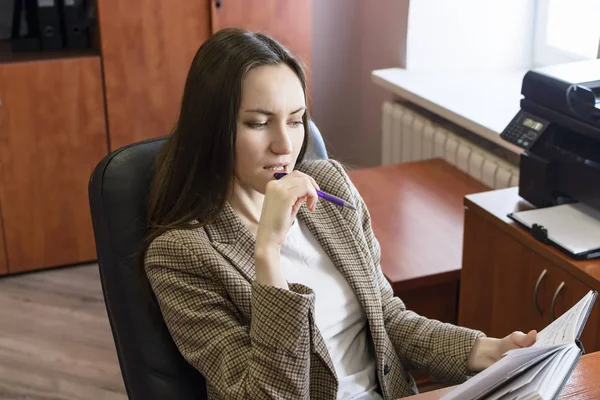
(280,141)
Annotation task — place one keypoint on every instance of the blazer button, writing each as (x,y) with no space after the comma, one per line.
(386,369)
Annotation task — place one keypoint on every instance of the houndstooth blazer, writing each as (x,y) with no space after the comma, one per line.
(254,341)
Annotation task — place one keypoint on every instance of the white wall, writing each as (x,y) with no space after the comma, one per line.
(350,38)
(353,37)
(469,34)
(335,54)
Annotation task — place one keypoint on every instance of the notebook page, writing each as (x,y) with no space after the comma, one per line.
(582,317)
(520,386)
(576,227)
(504,369)
(549,388)
(564,329)
(541,380)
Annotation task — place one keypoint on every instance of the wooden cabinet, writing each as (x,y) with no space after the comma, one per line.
(3,262)
(52,136)
(61,112)
(147,49)
(510,281)
(287,21)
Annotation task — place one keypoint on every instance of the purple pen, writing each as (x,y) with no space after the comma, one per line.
(325,196)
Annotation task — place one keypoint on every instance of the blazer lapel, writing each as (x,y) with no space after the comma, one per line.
(234,241)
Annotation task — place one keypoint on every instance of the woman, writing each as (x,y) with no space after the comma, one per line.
(267,291)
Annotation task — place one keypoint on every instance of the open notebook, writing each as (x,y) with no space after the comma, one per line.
(536,372)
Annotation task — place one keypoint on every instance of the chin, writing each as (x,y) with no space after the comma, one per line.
(260,188)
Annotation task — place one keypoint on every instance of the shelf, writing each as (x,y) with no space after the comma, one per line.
(8,56)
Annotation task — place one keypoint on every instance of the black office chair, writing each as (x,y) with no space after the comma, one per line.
(151,365)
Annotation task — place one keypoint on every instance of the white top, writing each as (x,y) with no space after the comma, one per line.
(339,316)
(483,102)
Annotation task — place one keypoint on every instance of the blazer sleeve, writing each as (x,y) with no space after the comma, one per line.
(442,349)
(265,358)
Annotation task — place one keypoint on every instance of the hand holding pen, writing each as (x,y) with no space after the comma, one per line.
(325,196)
(283,198)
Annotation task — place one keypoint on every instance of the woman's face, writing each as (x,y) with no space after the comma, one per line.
(270,131)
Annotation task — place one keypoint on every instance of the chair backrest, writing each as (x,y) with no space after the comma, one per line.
(151,364)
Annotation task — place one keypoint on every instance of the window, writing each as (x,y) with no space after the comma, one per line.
(566,30)
(502,34)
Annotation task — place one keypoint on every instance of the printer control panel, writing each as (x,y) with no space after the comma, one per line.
(524,129)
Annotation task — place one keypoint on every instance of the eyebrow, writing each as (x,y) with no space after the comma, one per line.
(266,112)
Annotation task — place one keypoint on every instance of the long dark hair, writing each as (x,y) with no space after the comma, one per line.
(194,170)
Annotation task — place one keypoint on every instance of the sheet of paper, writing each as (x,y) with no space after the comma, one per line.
(549,388)
(520,386)
(507,367)
(548,380)
(581,319)
(530,392)
(565,327)
(527,385)
(542,379)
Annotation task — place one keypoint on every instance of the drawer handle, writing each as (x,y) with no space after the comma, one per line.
(560,287)
(535,292)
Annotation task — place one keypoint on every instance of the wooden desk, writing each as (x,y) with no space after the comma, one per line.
(583,384)
(417,216)
(511,281)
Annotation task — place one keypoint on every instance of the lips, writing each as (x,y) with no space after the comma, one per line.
(276,168)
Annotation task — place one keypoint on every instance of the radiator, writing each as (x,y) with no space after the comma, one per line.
(410,136)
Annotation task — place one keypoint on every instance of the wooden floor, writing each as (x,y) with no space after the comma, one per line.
(55,339)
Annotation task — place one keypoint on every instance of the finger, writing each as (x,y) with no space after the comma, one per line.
(526,340)
(311,202)
(521,339)
(511,341)
(303,175)
(531,337)
(297,206)
(314,183)
(304,188)
(313,197)
(295,186)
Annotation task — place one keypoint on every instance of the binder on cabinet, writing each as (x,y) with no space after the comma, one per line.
(75,24)
(48,17)
(25,35)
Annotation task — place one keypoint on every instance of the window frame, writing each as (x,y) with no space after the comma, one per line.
(542,52)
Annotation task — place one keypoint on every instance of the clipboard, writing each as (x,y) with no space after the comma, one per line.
(572,228)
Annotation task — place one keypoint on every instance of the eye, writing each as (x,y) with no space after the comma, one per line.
(256,125)
(295,124)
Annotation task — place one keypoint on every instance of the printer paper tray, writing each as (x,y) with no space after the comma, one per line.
(572,228)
